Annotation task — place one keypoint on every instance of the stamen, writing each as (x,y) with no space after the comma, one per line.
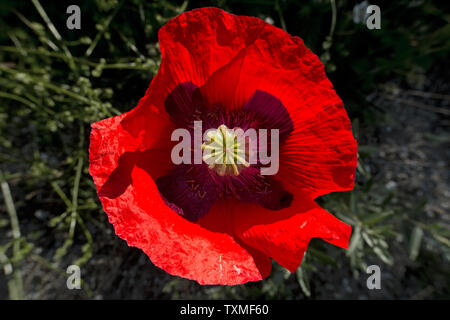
(224,153)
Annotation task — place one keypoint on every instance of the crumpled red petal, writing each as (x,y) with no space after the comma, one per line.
(284,235)
(181,247)
(244,54)
(125,185)
(197,43)
(319,157)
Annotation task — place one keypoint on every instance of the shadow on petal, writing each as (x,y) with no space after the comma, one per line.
(155,162)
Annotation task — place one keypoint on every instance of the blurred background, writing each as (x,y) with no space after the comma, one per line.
(55,82)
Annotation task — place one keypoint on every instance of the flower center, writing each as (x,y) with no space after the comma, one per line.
(225,151)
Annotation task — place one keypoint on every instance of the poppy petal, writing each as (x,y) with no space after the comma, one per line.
(180,104)
(320,155)
(284,235)
(112,146)
(202,253)
(197,43)
(190,188)
(271,113)
(125,185)
(277,198)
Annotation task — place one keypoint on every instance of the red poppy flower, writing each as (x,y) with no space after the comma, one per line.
(211,226)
